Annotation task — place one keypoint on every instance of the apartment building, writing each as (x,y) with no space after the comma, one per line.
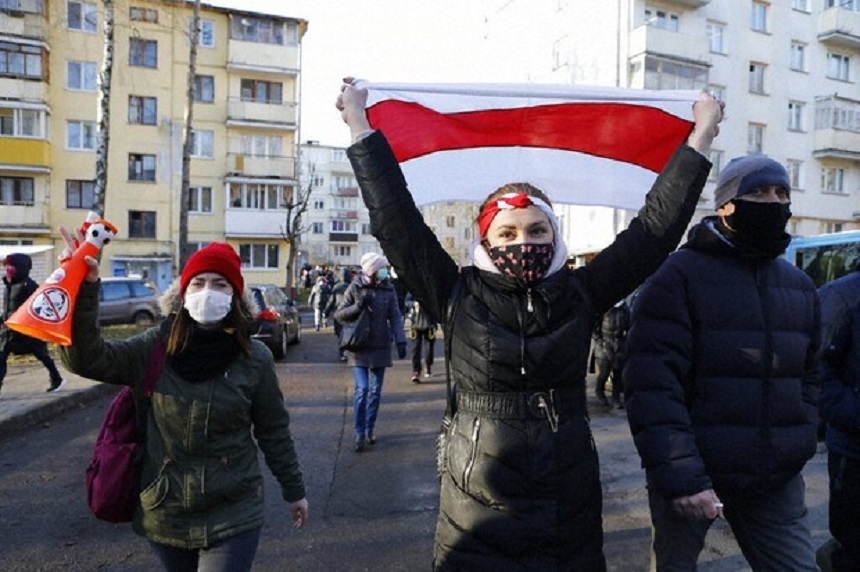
(787,70)
(244,167)
(336,225)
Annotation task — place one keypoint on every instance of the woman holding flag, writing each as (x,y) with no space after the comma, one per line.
(520,482)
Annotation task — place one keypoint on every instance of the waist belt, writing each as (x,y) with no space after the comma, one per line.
(518,404)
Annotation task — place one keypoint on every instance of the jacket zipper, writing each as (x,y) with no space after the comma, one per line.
(467,472)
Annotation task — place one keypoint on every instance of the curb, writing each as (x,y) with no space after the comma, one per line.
(46,412)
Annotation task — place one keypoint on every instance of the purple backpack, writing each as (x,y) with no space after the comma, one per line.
(112,475)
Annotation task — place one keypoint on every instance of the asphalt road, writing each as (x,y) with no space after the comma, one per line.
(369,511)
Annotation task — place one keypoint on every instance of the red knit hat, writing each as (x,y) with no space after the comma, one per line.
(217,257)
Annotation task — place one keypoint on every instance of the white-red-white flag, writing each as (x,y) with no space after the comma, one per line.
(582,145)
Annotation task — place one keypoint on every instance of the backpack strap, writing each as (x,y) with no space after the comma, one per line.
(157,356)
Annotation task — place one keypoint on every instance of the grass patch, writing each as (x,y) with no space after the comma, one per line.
(117,332)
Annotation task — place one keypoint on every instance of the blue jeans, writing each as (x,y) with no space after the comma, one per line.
(235,554)
(368,390)
(770,529)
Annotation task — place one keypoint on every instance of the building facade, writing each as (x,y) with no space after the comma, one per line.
(788,72)
(244,167)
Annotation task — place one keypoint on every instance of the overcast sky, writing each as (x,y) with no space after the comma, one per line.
(438,41)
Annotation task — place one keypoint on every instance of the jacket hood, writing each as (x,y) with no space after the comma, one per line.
(170,302)
(22,264)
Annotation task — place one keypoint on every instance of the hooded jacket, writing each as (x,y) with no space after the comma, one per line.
(200,478)
(517,491)
(15,295)
(386,322)
(721,378)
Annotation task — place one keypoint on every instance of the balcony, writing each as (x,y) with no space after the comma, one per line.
(688,3)
(240,164)
(839,28)
(659,42)
(27,20)
(836,144)
(26,154)
(267,58)
(837,128)
(250,223)
(343,237)
(345,191)
(341,214)
(255,114)
(29,90)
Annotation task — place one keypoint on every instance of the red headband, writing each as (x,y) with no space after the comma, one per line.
(517,201)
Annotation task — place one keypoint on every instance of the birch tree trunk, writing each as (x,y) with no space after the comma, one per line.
(103,113)
(188,142)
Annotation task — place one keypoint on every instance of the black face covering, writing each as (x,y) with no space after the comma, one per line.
(759,226)
(527,262)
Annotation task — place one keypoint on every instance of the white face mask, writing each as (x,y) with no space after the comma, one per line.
(208,306)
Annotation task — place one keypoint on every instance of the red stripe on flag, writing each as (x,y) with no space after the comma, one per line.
(637,134)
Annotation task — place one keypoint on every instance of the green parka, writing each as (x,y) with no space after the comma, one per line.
(200,478)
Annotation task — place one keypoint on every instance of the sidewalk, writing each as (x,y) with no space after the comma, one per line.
(24,401)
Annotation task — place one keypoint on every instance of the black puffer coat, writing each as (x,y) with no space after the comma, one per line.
(516,494)
(15,295)
(721,374)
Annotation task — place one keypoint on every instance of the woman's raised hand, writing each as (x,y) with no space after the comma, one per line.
(351,103)
(72,244)
(707,114)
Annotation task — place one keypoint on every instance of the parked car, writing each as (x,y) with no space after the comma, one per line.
(278,324)
(126,300)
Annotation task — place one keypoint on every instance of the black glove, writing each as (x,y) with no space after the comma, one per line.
(401,350)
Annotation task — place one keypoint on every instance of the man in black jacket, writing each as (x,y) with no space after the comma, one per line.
(840,407)
(721,380)
(18,286)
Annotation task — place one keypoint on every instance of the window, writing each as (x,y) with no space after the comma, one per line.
(137,14)
(28,6)
(262,91)
(202,144)
(260,145)
(339,156)
(342,250)
(141,167)
(16,191)
(200,200)
(830,227)
(317,228)
(661,19)
(259,196)
(365,228)
(756,79)
(204,88)
(758,17)
(342,226)
(802,5)
(846,4)
(663,74)
(837,113)
(755,138)
(795,115)
(319,205)
(16,122)
(832,180)
(81,76)
(795,173)
(19,60)
(716,159)
(450,221)
(797,60)
(81,134)
(837,66)
(716,34)
(261,30)
(82,16)
(80,194)
(259,255)
(143,53)
(141,224)
(142,110)
(207,33)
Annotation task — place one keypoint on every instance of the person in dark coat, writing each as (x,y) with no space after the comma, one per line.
(318,300)
(422,331)
(609,352)
(840,408)
(520,479)
(334,300)
(18,286)
(373,291)
(721,380)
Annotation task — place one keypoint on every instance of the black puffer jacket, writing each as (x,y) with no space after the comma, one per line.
(15,295)
(721,374)
(516,494)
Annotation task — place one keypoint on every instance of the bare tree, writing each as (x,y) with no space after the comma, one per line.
(103,113)
(188,133)
(293,227)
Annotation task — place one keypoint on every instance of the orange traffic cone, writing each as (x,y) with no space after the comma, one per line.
(47,313)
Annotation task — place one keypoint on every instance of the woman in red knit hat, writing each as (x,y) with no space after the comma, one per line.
(215,401)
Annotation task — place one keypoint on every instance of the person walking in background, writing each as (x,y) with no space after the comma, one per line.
(216,404)
(18,286)
(372,291)
(520,477)
(609,352)
(721,380)
(840,408)
(334,300)
(423,329)
(318,300)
